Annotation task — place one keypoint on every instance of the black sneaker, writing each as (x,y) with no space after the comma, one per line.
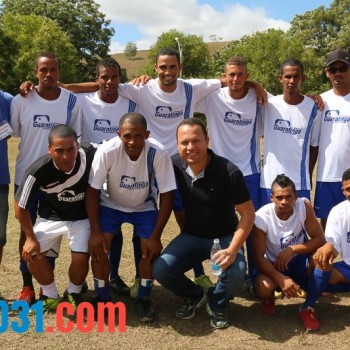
(144,310)
(218,319)
(73,298)
(188,308)
(95,302)
(119,286)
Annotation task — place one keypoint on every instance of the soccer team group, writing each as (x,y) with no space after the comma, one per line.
(94,156)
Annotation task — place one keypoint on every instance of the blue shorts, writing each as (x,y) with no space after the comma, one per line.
(327,195)
(33,205)
(266,192)
(343,268)
(297,270)
(253,185)
(111,221)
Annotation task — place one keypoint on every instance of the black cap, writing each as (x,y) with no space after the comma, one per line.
(338,55)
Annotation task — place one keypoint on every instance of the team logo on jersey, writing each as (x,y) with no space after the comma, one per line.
(236,119)
(43,121)
(130,183)
(348,237)
(70,196)
(333,116)
(286,127)
(104,125)
(291,239)
(167,112)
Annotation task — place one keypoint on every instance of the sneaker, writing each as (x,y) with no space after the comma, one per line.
(188,308)
(135,288)
(218,319)
(27,294)
(49,304)
(73,298)
(144,310)
(268,305)
(205,282)
(119,286)
(309,319)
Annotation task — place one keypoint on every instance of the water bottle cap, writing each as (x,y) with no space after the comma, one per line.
(216,240)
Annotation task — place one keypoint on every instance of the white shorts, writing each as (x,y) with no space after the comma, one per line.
(49,235)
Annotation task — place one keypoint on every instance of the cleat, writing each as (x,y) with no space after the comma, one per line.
(268,306)
(204,281)
(309,319)
(135,288)
(144,310)
(119,286)
(27,294)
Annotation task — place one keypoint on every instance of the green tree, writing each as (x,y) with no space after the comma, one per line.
(130,50)
(86,26)
(47,36)
(195,53)
(9,51)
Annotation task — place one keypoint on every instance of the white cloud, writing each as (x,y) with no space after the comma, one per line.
(152,18)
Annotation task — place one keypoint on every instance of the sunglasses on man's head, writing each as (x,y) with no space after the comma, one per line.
(341,69)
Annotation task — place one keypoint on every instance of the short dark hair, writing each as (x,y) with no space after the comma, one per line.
(291,62)
(192,122)
(236,61)
(108,62)
(283,181)
(133,118)
(168,51)
(47,54)
(346,175)
(62,131)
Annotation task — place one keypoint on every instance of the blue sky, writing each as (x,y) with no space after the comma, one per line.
(143,21)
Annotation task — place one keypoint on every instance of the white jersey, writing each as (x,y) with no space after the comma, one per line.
(334,138)
(289,131)
(338,229)
(32,119)
(281,234)
(165,110)
(234,128)
(131,184)
(101,119)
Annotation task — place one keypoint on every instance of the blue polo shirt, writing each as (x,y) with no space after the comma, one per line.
(5,102)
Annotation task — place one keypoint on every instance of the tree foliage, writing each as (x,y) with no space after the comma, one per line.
(9,51)
(86,26)
(47,36)
(130,49)
(195,53)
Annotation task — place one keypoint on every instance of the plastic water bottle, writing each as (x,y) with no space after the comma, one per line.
(215,268)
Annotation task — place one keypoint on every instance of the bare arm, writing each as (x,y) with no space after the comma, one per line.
(312,161)
(226,257)
(80,87)
(260,92)
(97,243)
(31,244)
(153,243)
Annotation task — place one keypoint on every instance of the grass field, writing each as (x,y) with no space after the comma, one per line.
(249,329)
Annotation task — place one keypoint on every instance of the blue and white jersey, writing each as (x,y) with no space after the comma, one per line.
(338,229)
(163,110)
(289,131)
(32,119)
(234,128)
(131,185)
(281,234)
(334,141)
(101,119)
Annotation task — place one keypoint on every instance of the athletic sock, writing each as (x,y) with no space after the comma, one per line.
(102,289)
(73,288)
(145,288)
(317,283)
(50,290)
(115,255)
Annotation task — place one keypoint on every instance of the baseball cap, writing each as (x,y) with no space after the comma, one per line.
(338,55)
